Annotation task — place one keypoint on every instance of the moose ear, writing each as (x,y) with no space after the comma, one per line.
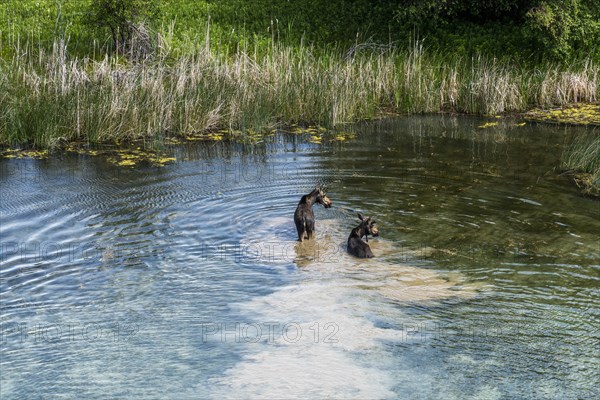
(361,217)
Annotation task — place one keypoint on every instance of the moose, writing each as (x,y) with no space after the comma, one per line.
(356,246)
(304,217)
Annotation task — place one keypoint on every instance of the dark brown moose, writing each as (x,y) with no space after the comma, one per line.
(304,217)
(356,246)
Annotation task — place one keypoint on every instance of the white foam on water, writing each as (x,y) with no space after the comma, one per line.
(336,295)
(321,356)
(293,372)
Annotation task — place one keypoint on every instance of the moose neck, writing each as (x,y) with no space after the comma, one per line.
(360,231)
(312,198)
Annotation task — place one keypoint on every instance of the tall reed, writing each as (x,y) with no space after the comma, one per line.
(50,97)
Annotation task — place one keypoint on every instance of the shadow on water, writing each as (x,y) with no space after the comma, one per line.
(484,281)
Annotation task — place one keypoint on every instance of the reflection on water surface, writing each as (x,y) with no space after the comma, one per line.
(187,281)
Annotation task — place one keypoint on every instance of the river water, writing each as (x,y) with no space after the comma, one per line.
(187,281)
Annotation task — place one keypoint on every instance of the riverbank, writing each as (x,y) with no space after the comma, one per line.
(54,98)
(581,160)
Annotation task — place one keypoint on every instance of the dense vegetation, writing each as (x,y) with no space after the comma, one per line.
(105,70)
(529,30)
(52,98)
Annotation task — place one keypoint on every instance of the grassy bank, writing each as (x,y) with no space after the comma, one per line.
(582,162)
(51,97)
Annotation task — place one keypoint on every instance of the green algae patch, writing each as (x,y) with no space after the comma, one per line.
(21,153)
(135,153)
(313,130)
(488,125)
(573,114)
(318,134)
(207,136)
(315,139)
(139,156)
(125,157)
(252,137)
(343,136)
(331,137)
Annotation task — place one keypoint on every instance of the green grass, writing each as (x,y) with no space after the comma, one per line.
(233,21)
(530,32)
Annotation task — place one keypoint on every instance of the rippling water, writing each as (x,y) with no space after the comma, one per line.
(187,281)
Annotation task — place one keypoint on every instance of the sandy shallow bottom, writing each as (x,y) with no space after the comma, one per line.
(332,340)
